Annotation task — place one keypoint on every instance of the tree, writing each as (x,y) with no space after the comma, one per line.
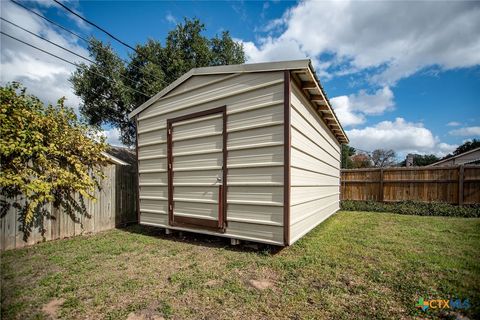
(361,160)
(106,102)
(47,155)
(466,146)
(150,69)
(421,160)
(347,152)
(424,160)
(226,51)
(383,158)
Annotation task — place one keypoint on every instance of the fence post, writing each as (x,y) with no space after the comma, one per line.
(341,185)
(460,184)
(380,197)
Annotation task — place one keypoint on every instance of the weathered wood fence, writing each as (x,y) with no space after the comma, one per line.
(115,206)
(455,185)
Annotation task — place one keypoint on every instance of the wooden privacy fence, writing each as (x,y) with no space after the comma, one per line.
(455,185)
(115,206)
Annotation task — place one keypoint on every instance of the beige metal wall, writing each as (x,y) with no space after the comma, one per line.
(255,151)
(315,168)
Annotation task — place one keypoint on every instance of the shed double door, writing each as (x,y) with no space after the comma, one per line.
(196,151)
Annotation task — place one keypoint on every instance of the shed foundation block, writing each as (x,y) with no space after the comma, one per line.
(235,242)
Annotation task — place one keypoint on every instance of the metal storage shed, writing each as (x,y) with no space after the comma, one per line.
(249,152)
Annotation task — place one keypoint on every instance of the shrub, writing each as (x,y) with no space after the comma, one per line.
(47,155)
(414,208)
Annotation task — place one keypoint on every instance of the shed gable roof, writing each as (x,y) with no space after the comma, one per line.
(302,73)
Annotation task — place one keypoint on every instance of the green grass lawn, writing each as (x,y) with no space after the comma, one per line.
(354,265)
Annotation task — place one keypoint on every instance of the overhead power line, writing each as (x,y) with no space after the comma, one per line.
(44,39)
(65,49)
(76,35)
(108,33)
(93,24)
(72,63)
(51,21)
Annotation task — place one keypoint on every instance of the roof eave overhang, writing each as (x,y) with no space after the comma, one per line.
(308,82)
(113,159)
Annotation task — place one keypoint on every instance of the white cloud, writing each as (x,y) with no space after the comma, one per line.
(42,75)
(390,39)
(72,4)
(272,49)
(400,135)
(352,109)
(240,9)
(272,25)
(170,18)
(113,136)
(453,124)
(465,132)
(373,104)
(345,113)
(442,149)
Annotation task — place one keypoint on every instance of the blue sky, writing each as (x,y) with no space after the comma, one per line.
(399,75)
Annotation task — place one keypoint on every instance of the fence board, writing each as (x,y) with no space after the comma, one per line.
(456,185)
(471,185)
(10,224)
(115,206)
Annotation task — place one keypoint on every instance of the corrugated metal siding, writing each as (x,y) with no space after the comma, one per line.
(195,185)
(315,168)
(255,154)
(197,81)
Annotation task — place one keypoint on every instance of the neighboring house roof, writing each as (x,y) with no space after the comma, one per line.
(302,73)
(461,155)
(120,155)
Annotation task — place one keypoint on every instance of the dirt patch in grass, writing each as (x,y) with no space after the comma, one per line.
(354,265)
(260,278)
(144,315)
(51,308)
(212,283)
(260,284)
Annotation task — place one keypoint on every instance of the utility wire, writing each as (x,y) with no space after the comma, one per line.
(44,39)
(76,35)
(63,48)
(72,63)
(94,24)
(51,21)
(106,32)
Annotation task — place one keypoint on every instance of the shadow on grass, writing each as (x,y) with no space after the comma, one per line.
(203,240)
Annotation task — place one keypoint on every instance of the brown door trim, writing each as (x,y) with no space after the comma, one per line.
(197,114)
(187,222)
